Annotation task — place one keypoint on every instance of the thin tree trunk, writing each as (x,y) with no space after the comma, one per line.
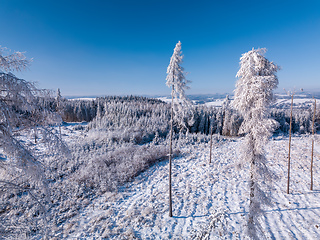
(313,119)
(211,144)
(252,166)
(35,134)
(250,219)
(170,157)
(34,128)
(58,111)
(288,182)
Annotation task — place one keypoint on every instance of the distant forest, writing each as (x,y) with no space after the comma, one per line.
(223,120)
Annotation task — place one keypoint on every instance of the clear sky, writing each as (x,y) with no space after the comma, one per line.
(116,47)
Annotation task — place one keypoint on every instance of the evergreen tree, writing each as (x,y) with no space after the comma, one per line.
(177,81)
(253,95)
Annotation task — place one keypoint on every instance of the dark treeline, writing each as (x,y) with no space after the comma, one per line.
(133,111)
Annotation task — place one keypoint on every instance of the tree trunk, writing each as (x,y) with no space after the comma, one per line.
(34,127)
(313,119)
(35,134)
(252,186)
(58,111)
(170,157)
(211,133)
(288,182)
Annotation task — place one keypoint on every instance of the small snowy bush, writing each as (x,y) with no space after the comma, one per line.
(106,171)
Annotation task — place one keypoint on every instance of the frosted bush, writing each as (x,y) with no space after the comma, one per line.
(106,171)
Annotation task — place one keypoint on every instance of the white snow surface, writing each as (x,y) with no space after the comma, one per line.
(83,98)
(216,103)
(309,101)
(165,99)
(208,198)
(279,101)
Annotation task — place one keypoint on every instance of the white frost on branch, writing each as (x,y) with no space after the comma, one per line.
(177,81)
(22,108)
(253,95)
(16,61)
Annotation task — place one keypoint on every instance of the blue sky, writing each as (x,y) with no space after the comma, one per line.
(124,47)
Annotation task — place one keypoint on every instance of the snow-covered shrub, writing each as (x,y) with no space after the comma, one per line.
(106,171)
(216,228)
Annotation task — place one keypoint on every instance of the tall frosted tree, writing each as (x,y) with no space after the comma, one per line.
(253,95)
(177,81)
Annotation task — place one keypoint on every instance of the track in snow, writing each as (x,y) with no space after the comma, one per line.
(200,191)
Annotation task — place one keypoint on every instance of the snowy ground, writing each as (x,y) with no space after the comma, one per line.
(298,100)
(216,103)
(207,195)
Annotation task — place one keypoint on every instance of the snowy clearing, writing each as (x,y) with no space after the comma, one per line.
(205,195)
(307,101)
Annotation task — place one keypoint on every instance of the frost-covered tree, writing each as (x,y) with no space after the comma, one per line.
(227,114)
(58,107)
(20,170)
(177,81)
(253,95)
(226,103)
(211,135)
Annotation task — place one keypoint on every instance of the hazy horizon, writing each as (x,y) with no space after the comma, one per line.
(315,93)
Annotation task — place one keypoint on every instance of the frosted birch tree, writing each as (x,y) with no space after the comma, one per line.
(177,81)
(253,95)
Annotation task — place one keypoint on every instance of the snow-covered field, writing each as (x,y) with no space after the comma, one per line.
(216,103)
(281,100)
(296,101)
(208,199)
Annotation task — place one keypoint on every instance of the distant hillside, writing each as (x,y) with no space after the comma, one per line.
(301,99)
